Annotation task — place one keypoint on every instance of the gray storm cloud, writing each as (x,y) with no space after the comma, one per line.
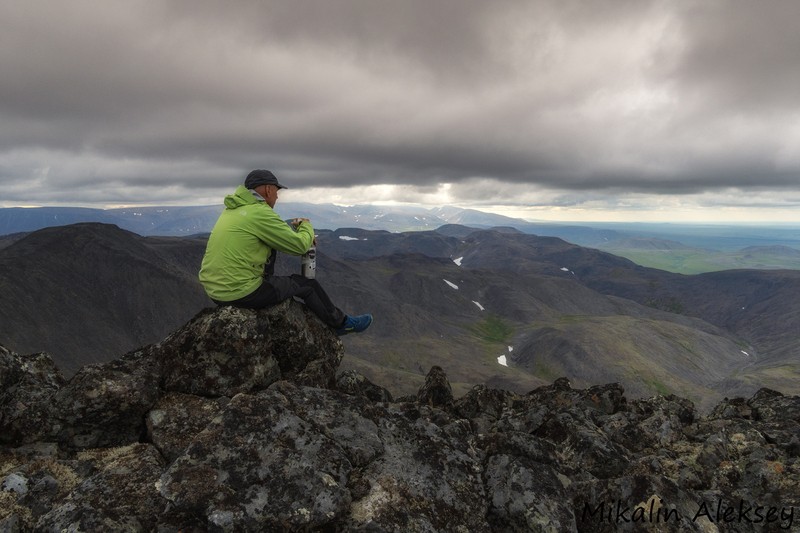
(124,102)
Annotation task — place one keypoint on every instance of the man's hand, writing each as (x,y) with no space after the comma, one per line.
(296,221)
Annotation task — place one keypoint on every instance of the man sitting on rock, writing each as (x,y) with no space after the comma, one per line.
(239,262)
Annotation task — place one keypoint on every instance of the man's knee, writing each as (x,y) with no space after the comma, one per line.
(302,281)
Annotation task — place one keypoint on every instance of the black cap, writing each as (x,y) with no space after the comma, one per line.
(261,177)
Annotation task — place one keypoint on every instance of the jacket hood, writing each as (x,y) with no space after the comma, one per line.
(241,196)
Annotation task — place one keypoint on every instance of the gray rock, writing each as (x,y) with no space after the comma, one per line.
(105,404)
(436,392)
(526,496)
(119,496)
(484,404)
(769,404)
(27,383)
(423,481)
(349,422)
(780,419)
(600,399)
(520,444)
(636,503)
(259,466)
(351,382)
(177,418)
(583,447)
(225,351)
(15,482)
(650,423)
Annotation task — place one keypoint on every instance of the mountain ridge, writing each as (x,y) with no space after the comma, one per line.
(683,248)
(94,291)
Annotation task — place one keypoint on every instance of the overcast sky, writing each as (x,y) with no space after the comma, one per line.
(596,109)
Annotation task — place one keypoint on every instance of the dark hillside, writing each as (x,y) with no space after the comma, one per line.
(429,311)
(420,320)
(758,304)
(8,240)
(88,292)
(354,244)
(545,255)
(760,307)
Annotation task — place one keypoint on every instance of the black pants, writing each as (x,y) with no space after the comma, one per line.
(276,289)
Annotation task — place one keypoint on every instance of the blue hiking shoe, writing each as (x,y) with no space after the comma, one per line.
(354,324)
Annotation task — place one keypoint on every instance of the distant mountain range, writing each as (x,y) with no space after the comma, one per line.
(192,220)
(500,307)
(687,249)
(162,221)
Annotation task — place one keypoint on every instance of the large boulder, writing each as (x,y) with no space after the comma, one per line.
(226,350)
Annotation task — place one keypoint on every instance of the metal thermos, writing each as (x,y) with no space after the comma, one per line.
(308,263)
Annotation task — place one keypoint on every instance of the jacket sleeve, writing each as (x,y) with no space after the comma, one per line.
(277,234)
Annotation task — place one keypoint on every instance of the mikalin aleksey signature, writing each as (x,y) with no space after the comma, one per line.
(655,511)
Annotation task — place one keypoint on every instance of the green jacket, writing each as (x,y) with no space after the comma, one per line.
(241,242)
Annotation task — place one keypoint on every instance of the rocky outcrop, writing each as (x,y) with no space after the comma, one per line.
(237,422)
(219,353)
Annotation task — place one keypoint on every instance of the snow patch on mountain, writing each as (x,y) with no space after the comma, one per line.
(503,359)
